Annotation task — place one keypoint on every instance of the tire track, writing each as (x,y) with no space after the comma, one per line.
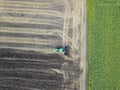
(78,44)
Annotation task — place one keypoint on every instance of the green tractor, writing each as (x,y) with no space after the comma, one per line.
(64,50)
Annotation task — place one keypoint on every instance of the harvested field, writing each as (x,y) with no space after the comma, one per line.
(29,32)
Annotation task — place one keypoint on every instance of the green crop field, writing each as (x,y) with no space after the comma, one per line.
(103,44)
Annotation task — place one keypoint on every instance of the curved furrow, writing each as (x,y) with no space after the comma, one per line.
(39,20)
(49,83)
(43,1)
(31,32)
(25,40)
(50,61)
(17,65)
(27,35)
(34,21)
(22,83)
(28,70)
(30,11)
(59,8)
(55,6)
(24,54)
(29,26)
(34,17)
(29,3)
(28,75)
(9,87)
(44,49)
(39,78)
(25,46)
